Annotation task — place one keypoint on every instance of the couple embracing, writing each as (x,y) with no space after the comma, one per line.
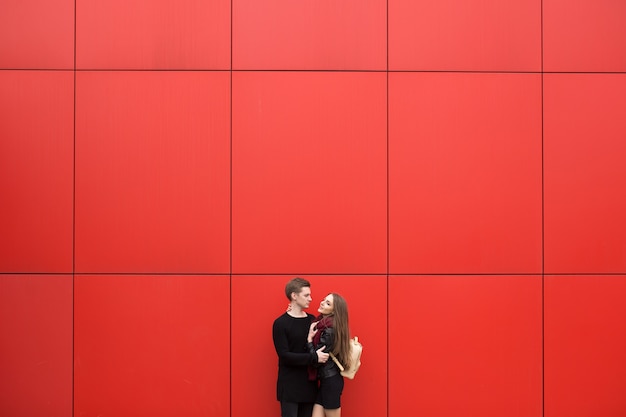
(309,381)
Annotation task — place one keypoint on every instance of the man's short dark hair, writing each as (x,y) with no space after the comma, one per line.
(296,285)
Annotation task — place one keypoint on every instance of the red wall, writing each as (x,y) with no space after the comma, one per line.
(454,168)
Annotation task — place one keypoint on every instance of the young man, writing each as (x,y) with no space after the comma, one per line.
(294,390)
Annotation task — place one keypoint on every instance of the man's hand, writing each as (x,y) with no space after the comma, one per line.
(321,356)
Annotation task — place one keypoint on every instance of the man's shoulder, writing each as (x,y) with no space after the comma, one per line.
(282,317)
(283,320)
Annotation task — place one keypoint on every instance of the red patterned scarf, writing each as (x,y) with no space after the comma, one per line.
(323,322)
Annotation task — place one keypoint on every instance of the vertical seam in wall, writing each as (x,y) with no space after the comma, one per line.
(543,364)
(387,172)
(230,207)
(74,224)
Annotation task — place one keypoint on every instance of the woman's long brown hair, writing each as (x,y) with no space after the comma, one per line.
(342,330)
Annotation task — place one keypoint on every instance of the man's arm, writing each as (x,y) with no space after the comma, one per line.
(281,344)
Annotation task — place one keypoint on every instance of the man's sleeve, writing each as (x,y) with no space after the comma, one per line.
(281,344)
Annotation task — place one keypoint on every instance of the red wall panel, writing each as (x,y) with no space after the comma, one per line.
(254,393)
(37,34)
(584,346)
(36,171)
(141,159)
(588,35)
(462,35)
(151,345)
(285,34)
(36,347)
(153,34)
(465,345)
(464,173)
(152,172)
(309,172)
(585,174)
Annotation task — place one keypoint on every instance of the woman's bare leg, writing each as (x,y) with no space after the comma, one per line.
(333,413)
(318,411)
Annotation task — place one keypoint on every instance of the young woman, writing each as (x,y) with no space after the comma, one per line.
(331,331)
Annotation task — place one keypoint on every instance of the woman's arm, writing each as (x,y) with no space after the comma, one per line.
(327,339)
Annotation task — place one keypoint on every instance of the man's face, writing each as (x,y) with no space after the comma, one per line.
(303,298)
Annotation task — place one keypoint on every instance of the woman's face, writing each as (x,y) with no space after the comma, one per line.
(326,306)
